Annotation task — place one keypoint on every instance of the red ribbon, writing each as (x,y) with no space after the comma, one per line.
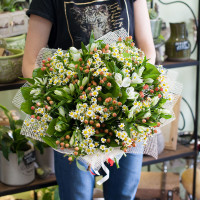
(111,162)
(92,172)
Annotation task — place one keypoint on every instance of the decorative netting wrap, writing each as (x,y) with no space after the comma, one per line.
(97,161)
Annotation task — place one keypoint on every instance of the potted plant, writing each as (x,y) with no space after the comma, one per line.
(155,21)
(44,156)
(16,42)
(14,147)
(11,65)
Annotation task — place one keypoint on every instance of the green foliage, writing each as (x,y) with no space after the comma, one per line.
(50,141)
(11,5)
(50,193)
(11,141)
(153,14)
(38,73)
(150,71)
(26,107)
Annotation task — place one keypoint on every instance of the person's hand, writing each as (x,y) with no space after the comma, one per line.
(37,38)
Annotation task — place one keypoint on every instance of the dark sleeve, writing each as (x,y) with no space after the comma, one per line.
(42,8)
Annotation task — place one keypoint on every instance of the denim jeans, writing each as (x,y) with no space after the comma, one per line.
(75,184)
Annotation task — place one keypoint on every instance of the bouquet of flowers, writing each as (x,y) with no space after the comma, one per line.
(97,102)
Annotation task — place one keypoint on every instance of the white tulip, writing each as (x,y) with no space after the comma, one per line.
(58,128)
(61,111)
(164,111)
(35,92)
(148,80)
(131,93)
(73,50)
(71,66)
(122,83)
(132,111)
(66,89)
(148,114)
(72,88)
(93,46)
(154,100)
(136,78)
(57,92)
(85,81)
(126,82)
(76,56)
(141,70)
(118,79)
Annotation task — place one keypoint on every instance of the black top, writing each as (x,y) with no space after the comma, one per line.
(73,20)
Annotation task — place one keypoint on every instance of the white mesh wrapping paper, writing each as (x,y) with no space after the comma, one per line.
(96,160)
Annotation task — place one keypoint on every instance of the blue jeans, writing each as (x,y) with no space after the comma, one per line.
(75,184)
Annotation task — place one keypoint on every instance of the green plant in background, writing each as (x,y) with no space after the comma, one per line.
(50,193)
(11,141)
(39,145)
(11,5)
(153,14)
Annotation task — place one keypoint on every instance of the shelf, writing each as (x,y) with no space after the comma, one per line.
(181,151)
(10,86)
(36,184)
(169,64)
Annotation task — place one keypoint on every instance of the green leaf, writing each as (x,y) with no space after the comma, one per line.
(26,107)
(165,116)
(104,96)
(154,116)
(20,155)
(150,124)
(126,55)
(30,80)
(26,92)
(51,128)
(56,194)
(8,114)
(127,127)
(17,136)
(150,71)
(5,147)
(38,73)
(140,114)
(92,39)
(84,49)
(115,88)
(113,144)
(50,141)
(124,96)
(47,196)
(161,102)
(72,139)
(100,135)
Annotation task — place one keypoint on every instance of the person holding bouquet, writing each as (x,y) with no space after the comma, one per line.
(66,23)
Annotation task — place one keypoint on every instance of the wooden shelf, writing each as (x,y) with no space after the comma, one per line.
(10,86)
(36,184)
(170,64)
(181,151)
